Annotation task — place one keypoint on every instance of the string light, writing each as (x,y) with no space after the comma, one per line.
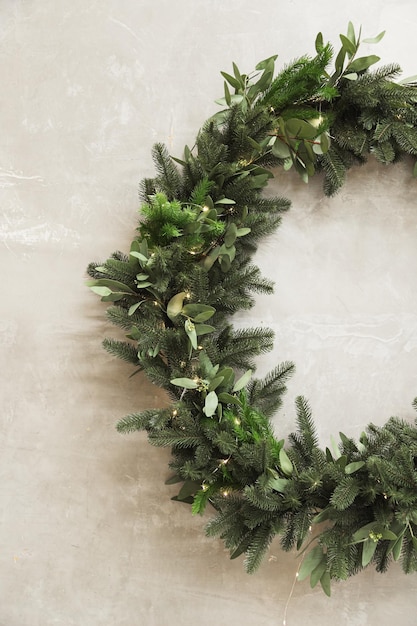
(174,413)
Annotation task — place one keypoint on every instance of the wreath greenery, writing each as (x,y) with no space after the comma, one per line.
(189,268)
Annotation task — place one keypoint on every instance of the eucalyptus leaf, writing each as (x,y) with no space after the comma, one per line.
(189,488)
(186,383)
(101,291)
(363,63)
(231,234)
(204,329)
(215,382)
(318,572)
(227,95)
(210,404)
(311,561)
(113,285)
(376,39)
(266,62)
(135,307)
(140,256)
(113,297)
(348,45)
(319,42)
(198,312)
(280,149)
(175,305)
(354,467)
(279,484)
(325,583)
(192,335)
(285,462)
(242,381)
(225,201)
(236,84)
(351,76)
(396,548)
(227,398)
(368,550)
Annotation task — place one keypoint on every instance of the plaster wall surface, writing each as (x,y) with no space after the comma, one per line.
(88,533)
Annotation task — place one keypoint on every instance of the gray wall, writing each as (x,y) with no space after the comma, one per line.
(89,536)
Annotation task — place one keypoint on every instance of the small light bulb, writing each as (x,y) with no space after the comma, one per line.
(206,208)
(174,413)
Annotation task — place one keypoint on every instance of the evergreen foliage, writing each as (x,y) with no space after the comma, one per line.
(189,267)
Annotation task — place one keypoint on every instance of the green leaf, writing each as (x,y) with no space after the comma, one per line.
(319,42)
(279,484)
(396,548)
(186,383)
(324,515)
(192,335)
(354,467)
(101,291)
(204,329)
(335,449)
(351,76)
(113,297)
(230,236)
(241,232)
(368,551)
(210,404)
(143,285)
(311,561)
(210,259)
(376,39)
(139,255)
(348,45)
(300,129)
(227,95)
(134,307)
(266,62)
(227,398)
(318,572)
(228,376)
(236,72)
(189,488)
(236,84)
(175,305)
(351,33)
(225,201)
(113,285)
(172,480)
(363,532)
(361,64)
(242,381)
(215,382)
(325,583)
(198,312)
(280,149)
(285,462)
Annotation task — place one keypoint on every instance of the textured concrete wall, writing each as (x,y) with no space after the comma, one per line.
(89,536)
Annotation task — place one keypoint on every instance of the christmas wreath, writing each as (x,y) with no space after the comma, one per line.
(189,269)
